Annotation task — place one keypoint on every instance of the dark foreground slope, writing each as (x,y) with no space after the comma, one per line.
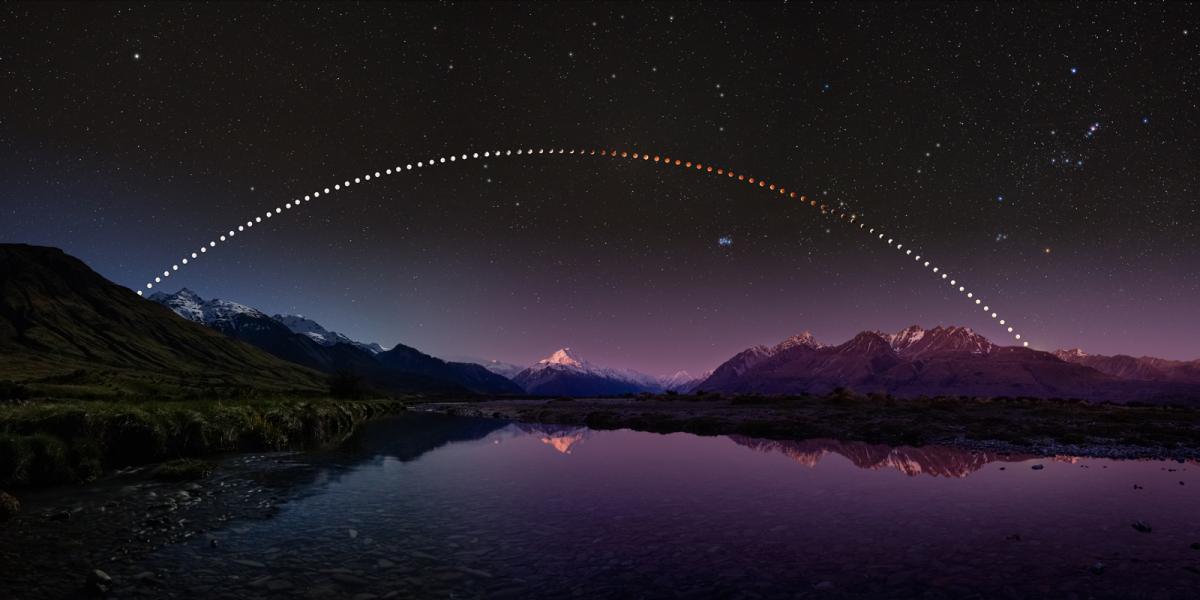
(67,331)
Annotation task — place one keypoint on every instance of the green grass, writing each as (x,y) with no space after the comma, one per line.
(182,469)
(50,442)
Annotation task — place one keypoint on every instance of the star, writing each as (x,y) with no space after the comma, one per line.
(137,56)
(725,241)
(1074,70)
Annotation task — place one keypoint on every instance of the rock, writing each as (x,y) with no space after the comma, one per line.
(349,580)
(279,585)
(1142,526)
(1097,568)
(385,563)
(1196,546)
(1038,467)
(353,533)
(213,543)
(248,563)
(98,582)
(824,586)
(61,515)
(1016,537)
(9,506)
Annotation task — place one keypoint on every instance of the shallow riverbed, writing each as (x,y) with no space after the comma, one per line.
(425,505)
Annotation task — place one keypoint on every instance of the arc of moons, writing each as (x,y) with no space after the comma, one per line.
(850,219)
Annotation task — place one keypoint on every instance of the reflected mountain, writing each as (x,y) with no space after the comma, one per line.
(560,437)
(936,461)
(409,436)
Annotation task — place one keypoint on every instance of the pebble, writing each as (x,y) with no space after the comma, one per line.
(98,582)
(349,579)
(279,585)
(1038,467)
(9,506)
(1142,526)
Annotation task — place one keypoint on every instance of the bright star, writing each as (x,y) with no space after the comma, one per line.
(137,56)
(725,241)
(1074,70)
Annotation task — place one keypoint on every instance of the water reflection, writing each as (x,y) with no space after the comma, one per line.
(560,437)
(435,506)
(937,461)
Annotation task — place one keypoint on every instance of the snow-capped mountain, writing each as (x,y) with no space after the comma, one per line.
(913,341)
(401,369)
(305,326)
(681,381)
(942,360)
(222,315)
(565,374)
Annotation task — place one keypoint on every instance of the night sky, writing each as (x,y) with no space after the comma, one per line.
(1047,155)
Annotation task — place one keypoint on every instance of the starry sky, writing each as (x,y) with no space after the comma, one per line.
(1044,154)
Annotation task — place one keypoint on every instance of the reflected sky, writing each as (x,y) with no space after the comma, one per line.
(552,510)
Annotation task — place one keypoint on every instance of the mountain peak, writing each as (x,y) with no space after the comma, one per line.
(563,356)
(805,339)
(1071,353)
(914,340)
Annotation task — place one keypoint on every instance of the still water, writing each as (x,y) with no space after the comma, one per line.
(435,506)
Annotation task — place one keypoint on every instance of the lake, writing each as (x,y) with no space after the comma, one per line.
(426,505)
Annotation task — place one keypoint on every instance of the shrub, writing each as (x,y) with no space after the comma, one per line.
(182,469)
(11,391)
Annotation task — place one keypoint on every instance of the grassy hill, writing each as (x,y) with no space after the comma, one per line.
(66,331)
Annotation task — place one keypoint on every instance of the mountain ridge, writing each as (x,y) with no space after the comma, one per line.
(943,360)
(400,369)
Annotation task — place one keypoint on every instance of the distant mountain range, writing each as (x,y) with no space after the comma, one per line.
(498,367)
(312,329)
(1145,368)
(945,361)
(65,329)
(305,342)
(564,374)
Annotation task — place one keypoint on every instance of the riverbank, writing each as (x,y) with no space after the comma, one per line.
(75,441)
(1027,426)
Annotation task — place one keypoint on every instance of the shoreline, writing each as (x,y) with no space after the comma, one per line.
(46,443)
(1038,427)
